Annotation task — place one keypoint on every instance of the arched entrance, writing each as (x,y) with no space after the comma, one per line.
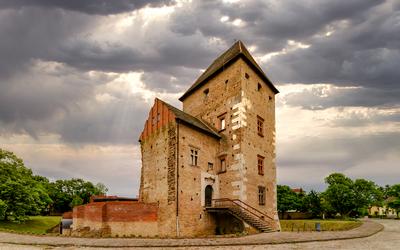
(208,195)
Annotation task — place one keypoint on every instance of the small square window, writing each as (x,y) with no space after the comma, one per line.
(206,91)
(260,126)
(246,75)
(261,195)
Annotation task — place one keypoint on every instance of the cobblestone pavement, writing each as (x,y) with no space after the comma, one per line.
(389,238)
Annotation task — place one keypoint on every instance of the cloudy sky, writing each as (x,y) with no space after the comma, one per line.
(77,79)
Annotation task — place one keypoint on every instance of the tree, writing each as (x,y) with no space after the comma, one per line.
(312,203)
(287,199)
(68,193)
(394,191)
(20,193)
(3,209)
(346,196)
(366,194)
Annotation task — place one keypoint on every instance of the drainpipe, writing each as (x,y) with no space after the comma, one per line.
(177,178)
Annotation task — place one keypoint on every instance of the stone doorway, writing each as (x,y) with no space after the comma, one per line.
(208,195)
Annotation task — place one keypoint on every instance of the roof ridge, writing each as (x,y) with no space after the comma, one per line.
(178,113)
(238,49)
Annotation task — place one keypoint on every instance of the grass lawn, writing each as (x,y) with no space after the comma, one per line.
(326,225)
(34,225)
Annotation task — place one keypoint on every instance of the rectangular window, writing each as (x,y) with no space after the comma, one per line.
(210,166)
(222,167)
(260,164)
(222,122)
(193,157)
(260,126)
(261,195)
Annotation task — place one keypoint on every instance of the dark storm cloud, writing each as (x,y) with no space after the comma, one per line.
(362,51)
(34,34)
(339,152)
(116,122)
(99,7)
(170,56)
(323,97)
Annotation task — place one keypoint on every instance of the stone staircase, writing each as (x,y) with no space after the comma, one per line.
(257,223)
(244,212)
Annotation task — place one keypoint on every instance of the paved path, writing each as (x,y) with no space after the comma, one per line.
(388,239)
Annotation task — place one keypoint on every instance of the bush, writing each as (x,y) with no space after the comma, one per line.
(3,208)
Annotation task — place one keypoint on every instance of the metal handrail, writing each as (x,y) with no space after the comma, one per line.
(244,206)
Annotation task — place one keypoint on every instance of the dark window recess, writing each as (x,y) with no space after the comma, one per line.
(246,75)
(261,195)
(260,126)
(193,157)
(222,166)
(210,166)
(206,91)
(259,86)
(260,164)
(269,98)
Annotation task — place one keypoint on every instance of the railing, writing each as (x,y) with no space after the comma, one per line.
(228,203)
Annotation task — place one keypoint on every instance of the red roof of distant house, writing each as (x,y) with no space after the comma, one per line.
(298,190)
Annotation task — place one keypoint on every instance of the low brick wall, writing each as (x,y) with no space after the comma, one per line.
(115,218)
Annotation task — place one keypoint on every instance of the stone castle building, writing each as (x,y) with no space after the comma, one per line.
(206,169)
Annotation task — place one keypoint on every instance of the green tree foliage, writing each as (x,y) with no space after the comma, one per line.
(21,193)
(345,196)
(287,199)
(394,191)
(339,193)
(69,193)
(3,209)
(312,203)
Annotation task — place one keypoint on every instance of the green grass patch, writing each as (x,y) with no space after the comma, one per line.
(34,225)
(309,225)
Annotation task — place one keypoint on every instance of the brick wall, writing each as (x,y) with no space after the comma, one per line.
(118,217)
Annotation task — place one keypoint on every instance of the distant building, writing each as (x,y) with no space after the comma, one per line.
(383,211)
(298,190)
(209,168)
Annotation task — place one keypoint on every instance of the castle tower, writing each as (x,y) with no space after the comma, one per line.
(235,96)
(220,149)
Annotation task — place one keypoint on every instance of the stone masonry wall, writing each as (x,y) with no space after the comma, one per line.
(259,102)
(224,93)
(194,220)
(233,94)
(158,176)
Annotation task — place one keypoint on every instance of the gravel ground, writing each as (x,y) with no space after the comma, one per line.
(389,238)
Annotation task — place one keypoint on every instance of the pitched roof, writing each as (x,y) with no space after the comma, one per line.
(192,121)
(231,55)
